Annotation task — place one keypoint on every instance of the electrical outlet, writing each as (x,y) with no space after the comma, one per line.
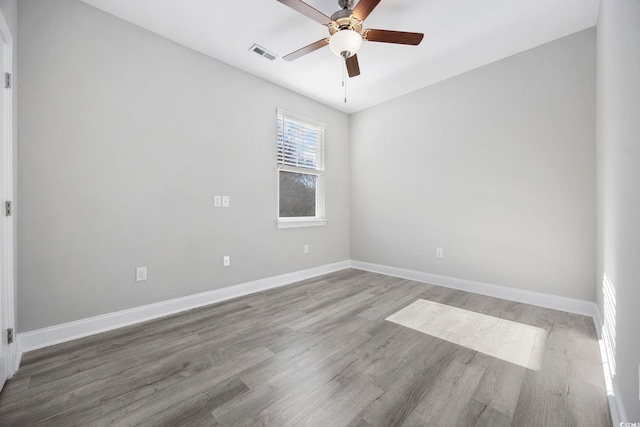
(217,201)
(141,274)
(225,201)
(439,253)
(306,249)
(226,261)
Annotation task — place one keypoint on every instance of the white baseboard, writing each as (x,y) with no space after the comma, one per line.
(32,340)
(570,305)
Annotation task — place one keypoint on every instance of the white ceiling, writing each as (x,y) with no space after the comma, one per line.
(459,35)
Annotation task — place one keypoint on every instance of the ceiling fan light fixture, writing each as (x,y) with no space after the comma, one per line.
(348,41)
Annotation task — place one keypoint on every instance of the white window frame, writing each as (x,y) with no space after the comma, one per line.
(319,219)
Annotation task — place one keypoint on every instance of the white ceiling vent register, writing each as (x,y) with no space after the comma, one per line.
(263,52)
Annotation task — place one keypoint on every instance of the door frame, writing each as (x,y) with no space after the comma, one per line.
(7,285)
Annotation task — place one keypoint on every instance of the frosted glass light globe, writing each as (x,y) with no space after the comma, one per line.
(348,41)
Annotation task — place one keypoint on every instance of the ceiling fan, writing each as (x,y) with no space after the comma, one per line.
(346,33)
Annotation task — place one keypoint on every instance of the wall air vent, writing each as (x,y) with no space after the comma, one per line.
(263,52)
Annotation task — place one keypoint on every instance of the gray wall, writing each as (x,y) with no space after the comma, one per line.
(618,141)
(124,139)
(495,166)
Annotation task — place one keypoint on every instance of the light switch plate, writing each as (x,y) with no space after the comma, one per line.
(217,201)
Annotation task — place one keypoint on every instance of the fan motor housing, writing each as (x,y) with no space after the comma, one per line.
(344,20)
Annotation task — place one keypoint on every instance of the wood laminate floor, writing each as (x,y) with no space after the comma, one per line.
(322,353)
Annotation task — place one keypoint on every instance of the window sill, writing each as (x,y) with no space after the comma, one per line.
(298,223)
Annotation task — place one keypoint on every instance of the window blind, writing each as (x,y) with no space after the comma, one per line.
(300,142)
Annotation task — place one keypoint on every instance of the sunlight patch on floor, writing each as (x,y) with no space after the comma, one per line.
(504,339)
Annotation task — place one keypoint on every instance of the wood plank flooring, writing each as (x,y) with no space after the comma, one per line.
(320,353)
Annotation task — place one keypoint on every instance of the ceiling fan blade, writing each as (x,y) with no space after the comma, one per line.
(309,11)
(353,68)
(364,8)
(307,49)
(386,36)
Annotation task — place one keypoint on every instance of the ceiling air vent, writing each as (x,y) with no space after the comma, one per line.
(263,52)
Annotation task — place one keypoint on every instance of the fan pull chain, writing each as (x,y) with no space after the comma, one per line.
(344,79)
(344,76)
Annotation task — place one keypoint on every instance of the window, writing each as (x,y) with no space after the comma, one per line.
(300,171)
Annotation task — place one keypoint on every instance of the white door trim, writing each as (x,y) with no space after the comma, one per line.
(6,145)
